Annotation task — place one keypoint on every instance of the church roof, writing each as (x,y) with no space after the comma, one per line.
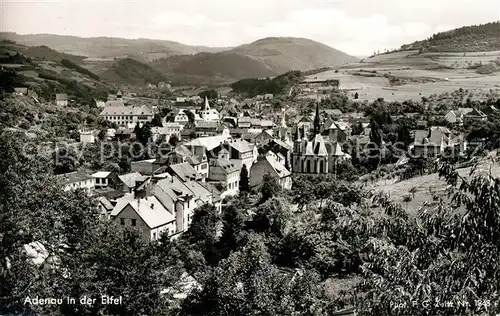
(319,146)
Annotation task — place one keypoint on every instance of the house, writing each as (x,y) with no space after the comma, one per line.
(181,198)
(264,137)
(128,181)
(172,129)
(104,179)
(274,166)
(421,124)
(337,131)
(431,142)
(115,103)
(245,122)
(106,207)
(181,118)
(475,115)
(123,134)
(225,172)
(21,91)
(238,149)
(88,136)
(146,214)
(207,128)
(125,115)
(282,148)
(61,99)
(145,167)
(195,155)
(100,104)
(77,180)
(185,172)
(210,142)
(334,113)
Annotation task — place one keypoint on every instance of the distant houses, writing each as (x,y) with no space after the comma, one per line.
(125,115)
(61,99)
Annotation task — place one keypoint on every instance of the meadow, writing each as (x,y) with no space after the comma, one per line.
(409,75)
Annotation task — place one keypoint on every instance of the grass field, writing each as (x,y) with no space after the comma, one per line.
(426,185)
(423,75)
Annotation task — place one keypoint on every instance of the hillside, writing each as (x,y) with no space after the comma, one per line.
(223,65)
(144,50)
(283,54)
(131,72)
(263,58)
(46,72)
(476,38)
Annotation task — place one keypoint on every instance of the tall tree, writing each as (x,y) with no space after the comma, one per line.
(156,121)
(244,184)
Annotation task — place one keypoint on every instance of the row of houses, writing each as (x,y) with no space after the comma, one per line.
(159,195)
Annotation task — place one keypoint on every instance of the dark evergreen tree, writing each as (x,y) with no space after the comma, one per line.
(244,181)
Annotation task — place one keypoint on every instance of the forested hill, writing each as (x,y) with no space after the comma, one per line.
(131,72)
(484,37)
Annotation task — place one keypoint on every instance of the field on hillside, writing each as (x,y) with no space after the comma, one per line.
(426,185)
(416,75)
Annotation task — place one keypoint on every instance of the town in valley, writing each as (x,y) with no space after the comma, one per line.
(278,177)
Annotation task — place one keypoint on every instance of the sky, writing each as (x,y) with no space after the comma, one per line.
(357,27)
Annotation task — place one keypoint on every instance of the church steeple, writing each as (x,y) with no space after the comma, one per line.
(317,121)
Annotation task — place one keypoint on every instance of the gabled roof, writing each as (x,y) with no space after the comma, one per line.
(319,146)
(101,174)
(476,112)
(61,97)
(129,179)
(185,171)
(278,168)
(281,143)
(420,135)
(115,103)
(336,150)
(152,212)
(105,203)
(127,110)
(209,142)
(227,165)
(240,145)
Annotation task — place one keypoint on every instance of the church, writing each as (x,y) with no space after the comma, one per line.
(312,154)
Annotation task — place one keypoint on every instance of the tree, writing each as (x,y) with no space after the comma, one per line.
(173,140)
(247,283)
(210,94)
(356,96)
(244,184)
(190,115)
(270,187)
(202,234)
(156,121)
(86,256)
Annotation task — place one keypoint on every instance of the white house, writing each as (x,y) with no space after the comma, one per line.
(124,115)
(88,136)
(61,99)
(77,180)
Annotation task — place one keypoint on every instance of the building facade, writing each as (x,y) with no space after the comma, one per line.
(312,154)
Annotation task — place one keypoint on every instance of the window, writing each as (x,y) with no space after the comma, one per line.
(154,236)
(122,221)
(134,222)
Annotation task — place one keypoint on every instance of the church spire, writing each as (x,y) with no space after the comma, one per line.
(206,106)
(316,120)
